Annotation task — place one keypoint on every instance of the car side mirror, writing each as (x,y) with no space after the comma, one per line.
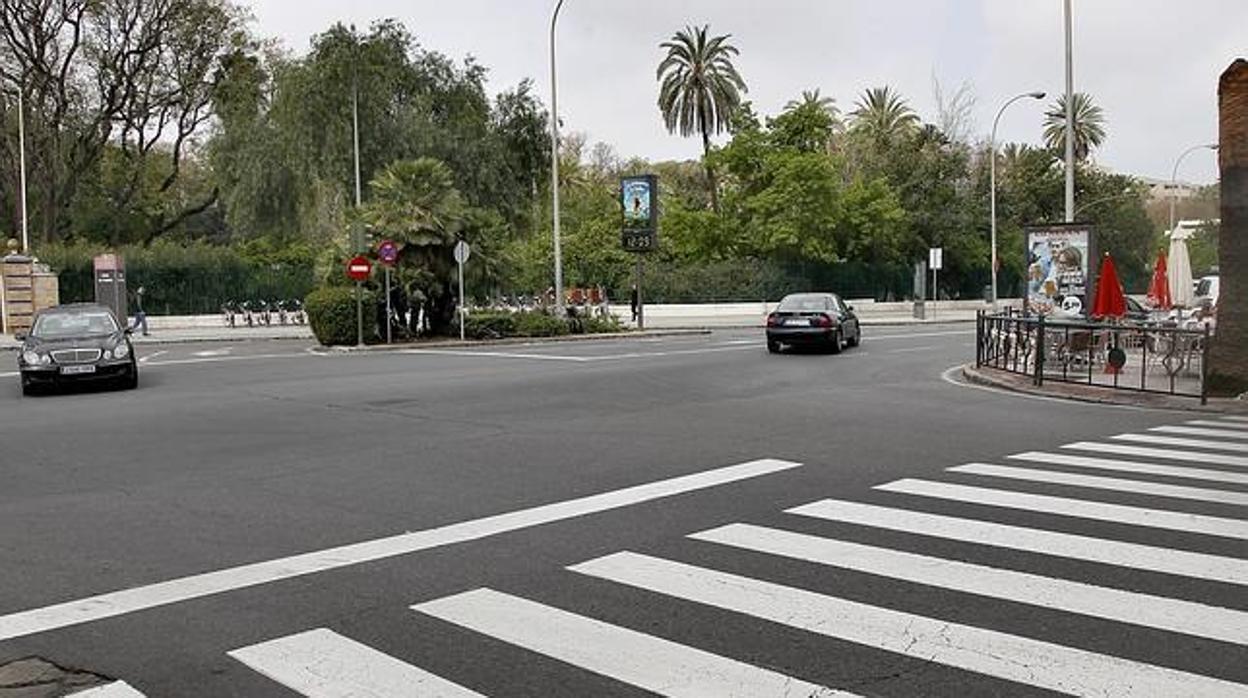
(128,331)
(20,336)
(850,307)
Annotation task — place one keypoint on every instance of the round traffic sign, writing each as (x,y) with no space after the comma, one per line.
(359,268)
(388,252)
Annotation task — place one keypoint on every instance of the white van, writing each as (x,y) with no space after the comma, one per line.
(1207,292)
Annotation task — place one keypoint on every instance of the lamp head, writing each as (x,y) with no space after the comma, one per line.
(1036,95)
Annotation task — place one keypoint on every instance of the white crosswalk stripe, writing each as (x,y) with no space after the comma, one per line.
(1002,655)
(1033,540)
(642,660)
(1197,431)
(1235,418)
(1078,508)
(1188,443)
(1220,425)
(116,689)
(1174,615)
(1200,494)
(1128,466)
(323,664)
(1162,453)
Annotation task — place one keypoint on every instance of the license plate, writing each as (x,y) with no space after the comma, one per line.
(797,322)
(77,370)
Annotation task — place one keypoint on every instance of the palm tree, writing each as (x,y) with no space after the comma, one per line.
(883,114)
(813,98)
(1228,362)
(699,88)
(1089,125)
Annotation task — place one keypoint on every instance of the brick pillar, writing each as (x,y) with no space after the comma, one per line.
(1228,363)
(19,293)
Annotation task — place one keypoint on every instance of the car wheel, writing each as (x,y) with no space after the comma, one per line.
(131,381)
(773,346)
(835,346)
(856,339)
(29,388)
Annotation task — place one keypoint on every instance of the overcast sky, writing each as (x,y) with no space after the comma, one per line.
(1151,64)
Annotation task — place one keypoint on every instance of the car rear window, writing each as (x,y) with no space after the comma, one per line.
(803,304)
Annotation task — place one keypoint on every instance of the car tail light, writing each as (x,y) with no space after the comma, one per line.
(824,321)
(773,320)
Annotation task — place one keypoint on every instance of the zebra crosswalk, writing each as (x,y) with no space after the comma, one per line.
(1165,473)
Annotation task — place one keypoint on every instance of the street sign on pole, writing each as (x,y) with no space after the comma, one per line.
(388,252)
(936,258)
(359,268)
(462,252)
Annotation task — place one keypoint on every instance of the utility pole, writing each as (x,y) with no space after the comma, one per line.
(21,139)
(359,238)
(554,162)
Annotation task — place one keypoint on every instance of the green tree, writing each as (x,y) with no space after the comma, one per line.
(699,88)
(1089,122)
(883,115)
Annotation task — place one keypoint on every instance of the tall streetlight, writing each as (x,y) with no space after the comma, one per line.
(992,178)
(1070,118)
(1114,197)
(554,161)
(1174,176)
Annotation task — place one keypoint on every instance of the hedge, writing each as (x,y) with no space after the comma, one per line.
(332,315)
(500,324)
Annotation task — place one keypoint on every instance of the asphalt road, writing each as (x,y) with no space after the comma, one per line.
(259,516)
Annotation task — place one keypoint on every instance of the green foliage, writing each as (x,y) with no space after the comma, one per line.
(539,324)
(1089,120)
(490,325)
(883,115)
(602,325)
(185,279)
(333,317)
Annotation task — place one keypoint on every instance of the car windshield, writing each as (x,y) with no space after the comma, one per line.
(1204,287)
(803,304)
(79,324)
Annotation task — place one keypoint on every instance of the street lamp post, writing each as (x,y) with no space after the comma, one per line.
(1174,176)
(1070,118)
(21,175)
(992,186)
(1120,195)
(554,162)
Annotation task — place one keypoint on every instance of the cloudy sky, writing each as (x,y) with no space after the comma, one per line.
(1152,64)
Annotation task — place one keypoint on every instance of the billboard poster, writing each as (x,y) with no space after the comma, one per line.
(639,199)
(1059,276)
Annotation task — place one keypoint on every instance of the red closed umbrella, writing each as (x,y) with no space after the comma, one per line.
(1159,287)
(1110,299)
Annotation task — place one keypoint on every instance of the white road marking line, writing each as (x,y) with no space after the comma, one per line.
(323,664)
(674,352)
(1188,443)
(222,359)
(1195,431)
(1173,615)
(1155,489)
(1032,540)
(1010,657)
(141,598)
(116,689)
(737,341)
(495,354)
(895,335)
(10,374)
(1163,453)
(1077,508)
(1127,466)
(209,353)
(149,357)
(641,660)
(928,347)
(1234,418)
(1219,425)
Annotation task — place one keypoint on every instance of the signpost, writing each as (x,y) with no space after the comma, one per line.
(462,252)
(358,270)
(935,262)
(639,198)
(388,253)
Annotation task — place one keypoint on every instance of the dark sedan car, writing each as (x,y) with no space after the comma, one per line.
(813,319)
(77,343)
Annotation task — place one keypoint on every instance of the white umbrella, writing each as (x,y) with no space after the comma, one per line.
(1182,295)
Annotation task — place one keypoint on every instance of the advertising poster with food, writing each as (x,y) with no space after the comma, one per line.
(1059,281)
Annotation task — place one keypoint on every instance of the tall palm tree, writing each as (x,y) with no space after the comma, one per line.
(1089,125)
(1228,361)
(813,98)
(699,88)
(883,114)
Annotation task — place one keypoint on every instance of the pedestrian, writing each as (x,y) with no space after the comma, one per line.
(632,300)
(140,317)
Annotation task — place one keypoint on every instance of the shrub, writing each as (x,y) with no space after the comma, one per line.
(332,315)
(602,325)
(490,325)
(537,324)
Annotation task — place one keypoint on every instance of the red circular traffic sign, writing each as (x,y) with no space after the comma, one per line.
(388,252)
(359,268)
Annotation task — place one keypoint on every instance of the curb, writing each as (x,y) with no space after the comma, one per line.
(1101,396)
(149,341)
(508,341)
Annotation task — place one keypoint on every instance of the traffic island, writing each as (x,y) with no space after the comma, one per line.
(1005,380)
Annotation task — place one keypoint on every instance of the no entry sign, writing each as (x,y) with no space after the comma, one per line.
(359,268)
